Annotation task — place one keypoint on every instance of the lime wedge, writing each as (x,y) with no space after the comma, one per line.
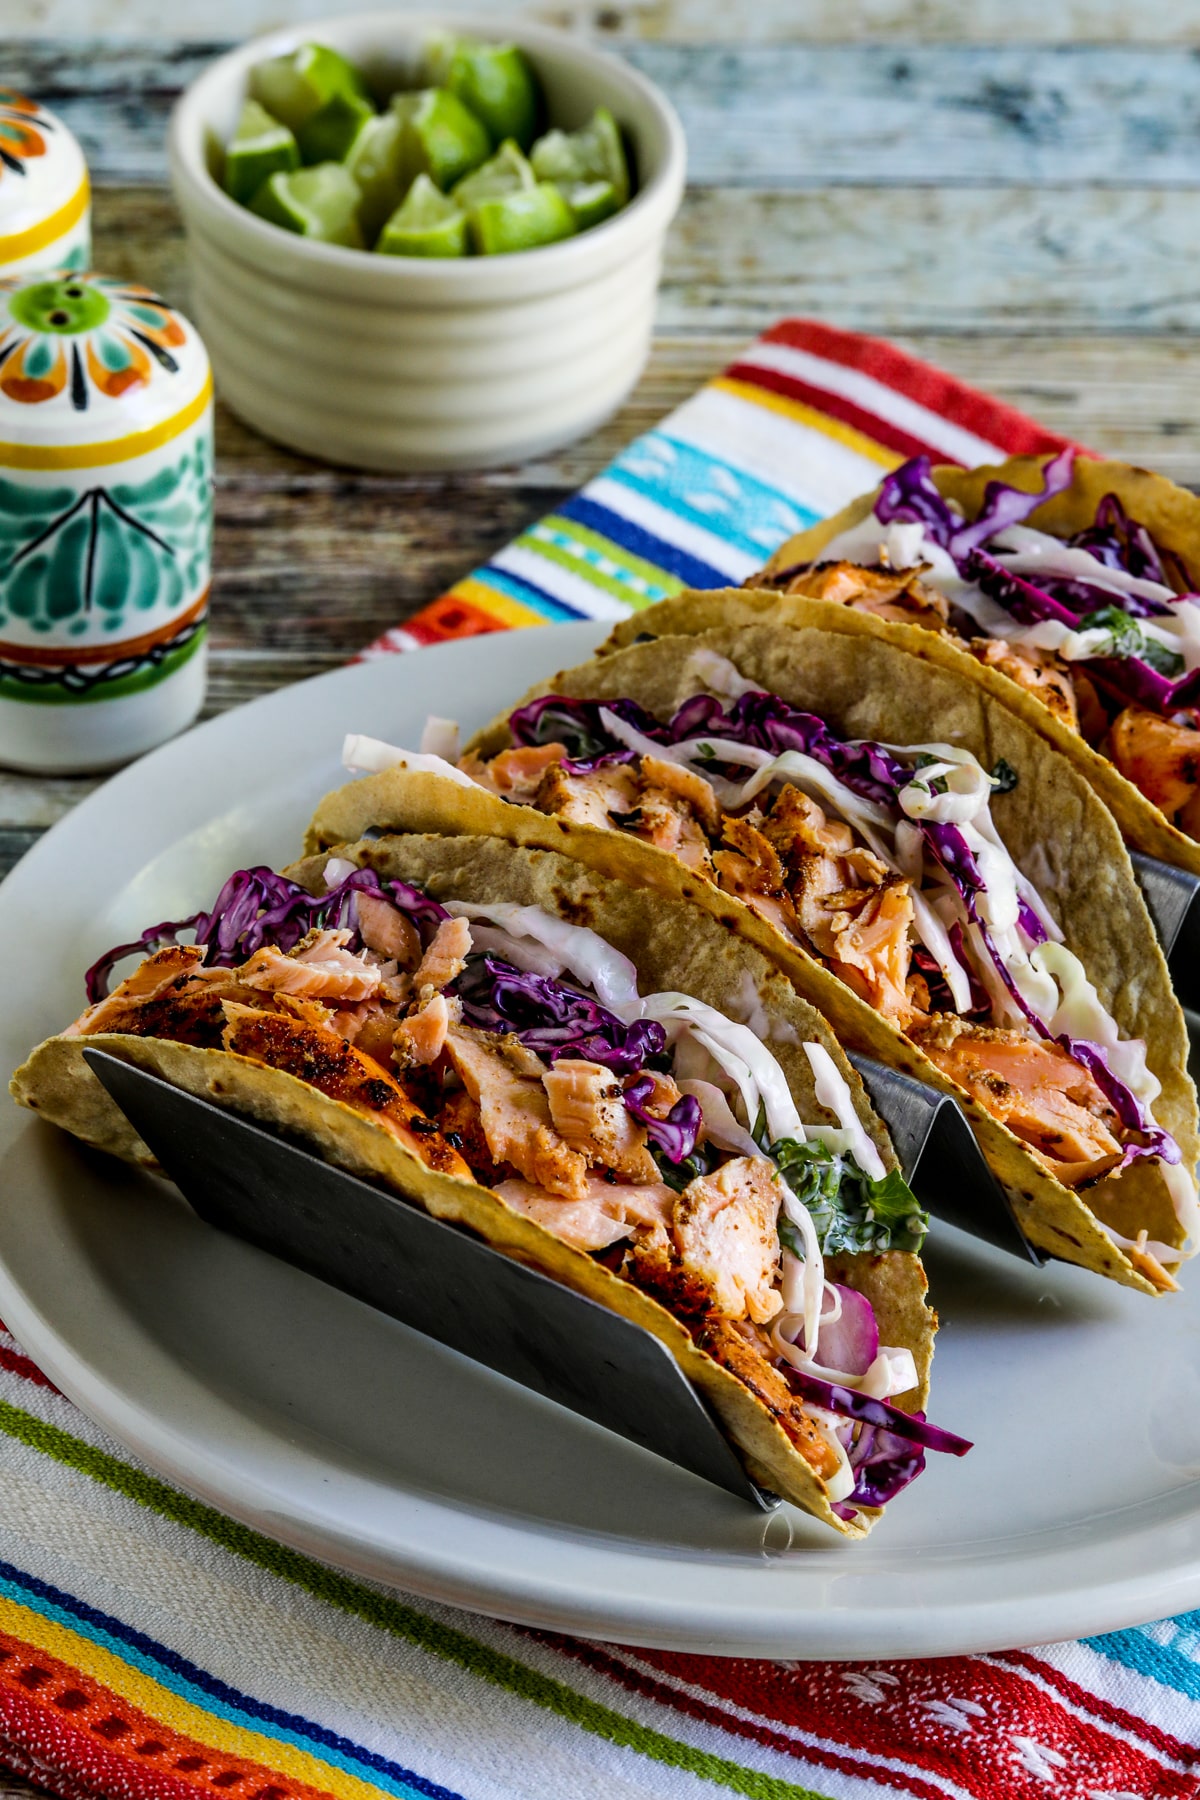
(258,147)
(495,80)
(594,153)
(507,172)
(292,87)
(590,202)
(521,221)
(318,203)
(333,130)
(426,224)
(376,162)
(442,139)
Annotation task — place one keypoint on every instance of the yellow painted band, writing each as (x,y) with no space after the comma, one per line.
(36,237)
(149,1696)
(814,419)
(90,456)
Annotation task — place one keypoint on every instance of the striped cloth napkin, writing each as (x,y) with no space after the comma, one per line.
(152,1649)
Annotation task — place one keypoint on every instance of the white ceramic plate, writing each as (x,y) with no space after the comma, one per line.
(324,1424)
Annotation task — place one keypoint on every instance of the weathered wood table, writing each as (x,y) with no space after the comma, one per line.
(1010,188)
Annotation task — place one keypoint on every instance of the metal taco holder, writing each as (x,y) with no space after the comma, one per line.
(448,1284)
(1171,900)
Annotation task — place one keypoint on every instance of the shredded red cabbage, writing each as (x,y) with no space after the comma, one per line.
(909,493)
(848,1403)
(552,1019)
(884,1464)
(675,1135)
(257,907)
(1117,541)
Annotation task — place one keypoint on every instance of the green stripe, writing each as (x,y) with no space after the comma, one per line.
(387,1614)
(54,694)
(661,580)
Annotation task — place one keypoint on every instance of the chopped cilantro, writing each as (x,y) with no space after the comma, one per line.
(1128,639)
(849,1210)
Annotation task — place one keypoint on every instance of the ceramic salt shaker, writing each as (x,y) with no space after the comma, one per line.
(105,520)
(45,212)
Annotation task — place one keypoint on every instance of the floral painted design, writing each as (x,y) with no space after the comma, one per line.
(82,335)
(23,126)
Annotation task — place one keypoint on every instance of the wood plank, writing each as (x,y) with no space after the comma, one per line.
(1031,261)
(776,115)
(684,21)
(1025,260)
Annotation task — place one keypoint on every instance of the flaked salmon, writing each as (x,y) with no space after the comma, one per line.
(599,798)
(726,1233)
(897,594)
(515,1114)
(1039,672)
(321,967)
(419,1039)
(445,957)
(589,1113)
(608,1212)
(1035,1088)
(386,931)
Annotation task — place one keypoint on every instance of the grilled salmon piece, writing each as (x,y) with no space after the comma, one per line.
(328,1063)
(516,773)
(421,1037)
(1159,756)
(589,1113)
(686,785)
(515,1114)
(1037,1089)
(171,995)
(608,1212)
(595,799)
(897,594)
(446,955)
(1040,672)
(725,1232)
(386,931)
(731,1347)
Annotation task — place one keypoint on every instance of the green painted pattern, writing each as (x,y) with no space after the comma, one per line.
(111,554)
(388,1614)
(145,675)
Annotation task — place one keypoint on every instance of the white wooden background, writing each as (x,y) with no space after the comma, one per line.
(1009,187)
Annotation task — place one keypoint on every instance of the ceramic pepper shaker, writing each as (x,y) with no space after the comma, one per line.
(105,520)
(45,212)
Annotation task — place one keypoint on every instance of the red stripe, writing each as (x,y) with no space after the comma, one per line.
(18,1364)
(67,1721)
(1162,1741)
(820,1699)
(1011,431)
(879,430)
(635,1682)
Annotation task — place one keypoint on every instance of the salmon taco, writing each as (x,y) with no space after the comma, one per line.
(1069,584)
(614,1091)
(924,866)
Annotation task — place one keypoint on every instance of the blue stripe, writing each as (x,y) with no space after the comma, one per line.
(527,592)
(688,569)
(711,492)
(1172,1664)
(212,1695)
(524,592)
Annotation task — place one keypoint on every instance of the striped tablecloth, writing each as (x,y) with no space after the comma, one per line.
(152,1649)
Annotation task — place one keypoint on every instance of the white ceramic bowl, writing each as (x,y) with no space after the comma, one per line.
(388,362)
